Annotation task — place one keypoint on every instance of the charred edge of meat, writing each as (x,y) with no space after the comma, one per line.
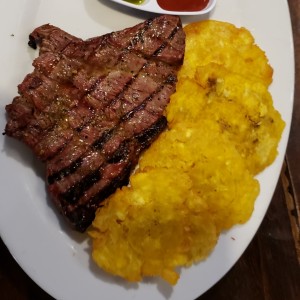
(80,219)
(33,42)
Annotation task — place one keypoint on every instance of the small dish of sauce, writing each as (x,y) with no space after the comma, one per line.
(178,7)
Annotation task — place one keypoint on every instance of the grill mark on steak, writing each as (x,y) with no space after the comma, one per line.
(64,172)
(101,139)
(91,107)
(95,158)
(33,134)
(108,134)
(98,144)
(165,43)
(82,215)
(72,195)
(53,132)
(120,154)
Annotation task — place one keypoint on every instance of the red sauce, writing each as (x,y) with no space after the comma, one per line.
(183,5)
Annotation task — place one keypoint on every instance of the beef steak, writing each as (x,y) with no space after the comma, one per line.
(90,107)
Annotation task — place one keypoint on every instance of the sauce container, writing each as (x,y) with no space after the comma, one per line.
(177,7)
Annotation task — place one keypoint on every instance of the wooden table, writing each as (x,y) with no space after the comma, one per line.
(270,267)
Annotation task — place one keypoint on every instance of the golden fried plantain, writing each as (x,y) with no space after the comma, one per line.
(224,44)
(242,108)
(150,228)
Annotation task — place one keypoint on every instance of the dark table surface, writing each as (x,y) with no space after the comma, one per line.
(270,267)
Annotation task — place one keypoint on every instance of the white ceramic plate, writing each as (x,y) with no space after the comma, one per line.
(152,6)
(58,259)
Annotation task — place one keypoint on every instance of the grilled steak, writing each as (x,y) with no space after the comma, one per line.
(90,107)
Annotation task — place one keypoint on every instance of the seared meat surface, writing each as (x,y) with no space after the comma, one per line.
(90,107)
